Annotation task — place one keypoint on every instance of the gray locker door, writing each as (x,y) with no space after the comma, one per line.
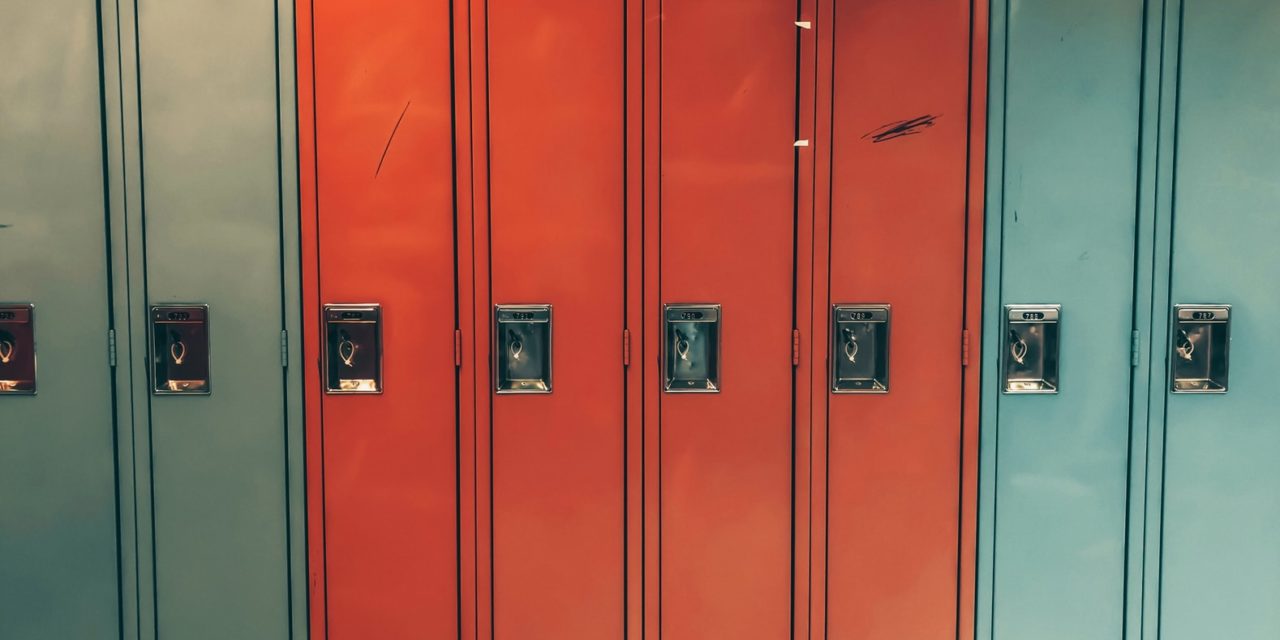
(213,179)
(58,562)
(1221,512)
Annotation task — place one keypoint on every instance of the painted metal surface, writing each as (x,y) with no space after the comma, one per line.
(58,545)
(1061,229)
(1220,575)
(216,206)
(727,236)
(557,236)
(898,230)
(379,229)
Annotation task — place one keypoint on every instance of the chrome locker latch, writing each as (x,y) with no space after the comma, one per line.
(860,348)
(691,351)
(180,349)
(522,348)
(353,348)
(1031,348)
(17,349)
(1201,346)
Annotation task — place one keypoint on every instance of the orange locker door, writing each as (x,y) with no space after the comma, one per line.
(555,83)
(727,242)
(897,283)
(378,224)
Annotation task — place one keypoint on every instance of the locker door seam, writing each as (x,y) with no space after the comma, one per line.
(319,231)
(458,358)
(999,299)
(795,301)
(964,320)
(625,379)
(826,426)
(284,316)
(661,183)
(661,218)
(113,388)
(1135,305)
(129,298)
(1173,219)
(142,215)
(488,320)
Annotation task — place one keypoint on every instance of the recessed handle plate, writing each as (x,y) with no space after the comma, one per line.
(180,349)
(353,348)
(691,348)
(1200,349)
(1030,348)
(860,348)
(17,349)
(522,348)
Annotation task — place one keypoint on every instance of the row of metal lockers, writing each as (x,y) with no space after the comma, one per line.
(690,319)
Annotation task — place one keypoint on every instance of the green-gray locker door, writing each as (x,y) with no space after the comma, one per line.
(1221,568)
(57,453)
(211,172)
(1061,229)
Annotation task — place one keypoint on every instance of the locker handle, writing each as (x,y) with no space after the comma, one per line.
(347,349)
(682,346)
(1185,346)
(6,351)
(1017,347)
(850,346)
(516,346)
(178,349)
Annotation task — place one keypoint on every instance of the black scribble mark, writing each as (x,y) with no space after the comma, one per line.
(5,226)
(1015,215)
(390,138)
(901,128)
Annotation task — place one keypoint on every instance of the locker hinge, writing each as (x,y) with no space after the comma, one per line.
(457,347)
(284,349)
(1133,349)
(626,347)
(111,347)
(795,347)
(964,348)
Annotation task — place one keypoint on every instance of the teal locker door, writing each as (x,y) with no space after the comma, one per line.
(1061,230)
(1221,555)
(57,453)
(214,216)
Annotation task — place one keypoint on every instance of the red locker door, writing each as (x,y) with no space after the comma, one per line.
(897,237)
(555,82)
(378,228)
(727,231)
